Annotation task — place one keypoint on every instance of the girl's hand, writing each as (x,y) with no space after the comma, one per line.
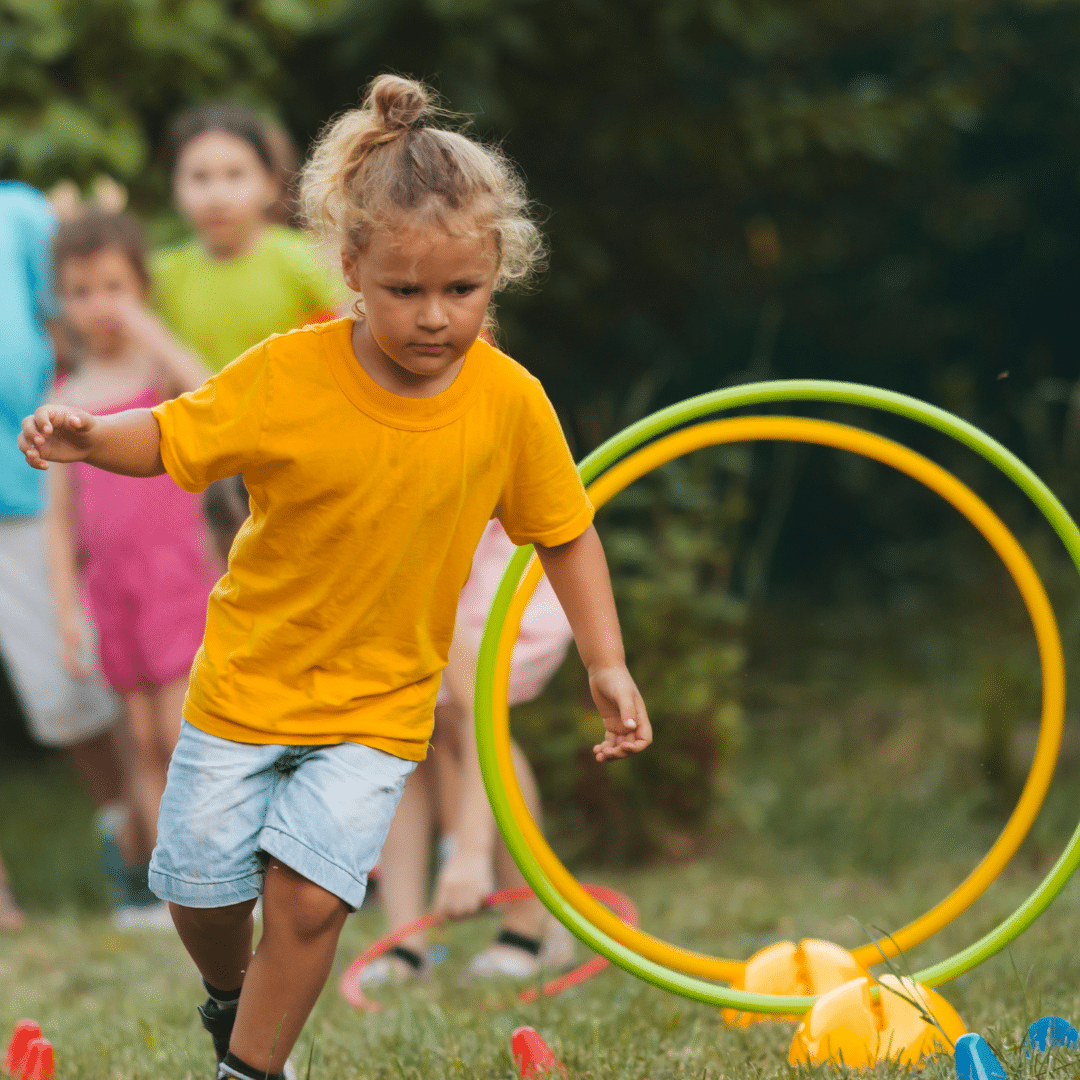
(178,369)
(463,882)
(140,324)
(72,641)
(623,711)
(56,433)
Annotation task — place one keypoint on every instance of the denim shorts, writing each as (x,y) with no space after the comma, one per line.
(323,811)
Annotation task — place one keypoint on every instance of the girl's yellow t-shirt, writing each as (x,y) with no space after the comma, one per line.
(334,619)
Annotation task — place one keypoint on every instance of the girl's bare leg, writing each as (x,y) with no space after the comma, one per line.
(446,772)
(169,703)
(98,762)
(301,925)
(218,940)
(153,726)
(444,753)
(139,835)
(406,855)
(525,917)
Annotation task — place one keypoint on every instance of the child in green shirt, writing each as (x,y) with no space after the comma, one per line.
(238,279)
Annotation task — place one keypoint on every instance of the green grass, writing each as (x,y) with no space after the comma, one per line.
(46,838)
(857,801)
(122,1006)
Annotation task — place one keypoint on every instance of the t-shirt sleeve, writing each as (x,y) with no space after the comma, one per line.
(544,501)
(215,431)
(320,289)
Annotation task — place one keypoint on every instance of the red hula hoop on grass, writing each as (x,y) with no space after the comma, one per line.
(623,906)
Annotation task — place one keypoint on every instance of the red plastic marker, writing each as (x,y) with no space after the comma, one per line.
(25,1032)
(38,1063)
(532,1055)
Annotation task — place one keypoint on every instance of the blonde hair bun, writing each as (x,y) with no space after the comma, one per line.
(385,161)
(399,104)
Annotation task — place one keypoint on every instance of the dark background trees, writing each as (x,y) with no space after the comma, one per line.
(892,185)
(884,191)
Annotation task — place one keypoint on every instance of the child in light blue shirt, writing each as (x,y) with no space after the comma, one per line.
(26,300)
(68,709)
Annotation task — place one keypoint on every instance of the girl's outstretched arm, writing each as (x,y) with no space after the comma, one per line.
(128,442)
(579,575)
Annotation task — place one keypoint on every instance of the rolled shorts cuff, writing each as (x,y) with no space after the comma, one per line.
(204,894)
(314,866)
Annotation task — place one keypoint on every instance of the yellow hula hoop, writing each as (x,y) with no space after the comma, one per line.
(937,479)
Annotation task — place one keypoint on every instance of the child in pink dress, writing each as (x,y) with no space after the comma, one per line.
(136,549)
(145,570)
(448,786)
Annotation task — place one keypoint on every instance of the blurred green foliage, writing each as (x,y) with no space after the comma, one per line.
(899,176)
(669,540)
(87,85)
(884,191)
(1003,699)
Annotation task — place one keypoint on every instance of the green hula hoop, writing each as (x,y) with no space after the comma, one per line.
(598,462)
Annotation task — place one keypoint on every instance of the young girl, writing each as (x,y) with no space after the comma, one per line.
(375,451)
(448,785)
(239,278)
(137,549)
(62,710)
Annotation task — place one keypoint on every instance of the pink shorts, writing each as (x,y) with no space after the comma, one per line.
(151,619)
(545,634)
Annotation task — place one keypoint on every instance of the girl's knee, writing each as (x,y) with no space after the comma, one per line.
(307,910)
(211,920)
(143,741)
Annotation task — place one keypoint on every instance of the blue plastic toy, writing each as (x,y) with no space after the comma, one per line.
(976,1061)
(1050,1031)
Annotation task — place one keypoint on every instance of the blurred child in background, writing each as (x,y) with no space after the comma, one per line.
(137,549)
(241,277)
(68,710)
(449,785)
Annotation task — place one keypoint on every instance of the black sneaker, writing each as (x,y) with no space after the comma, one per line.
(218,1020)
